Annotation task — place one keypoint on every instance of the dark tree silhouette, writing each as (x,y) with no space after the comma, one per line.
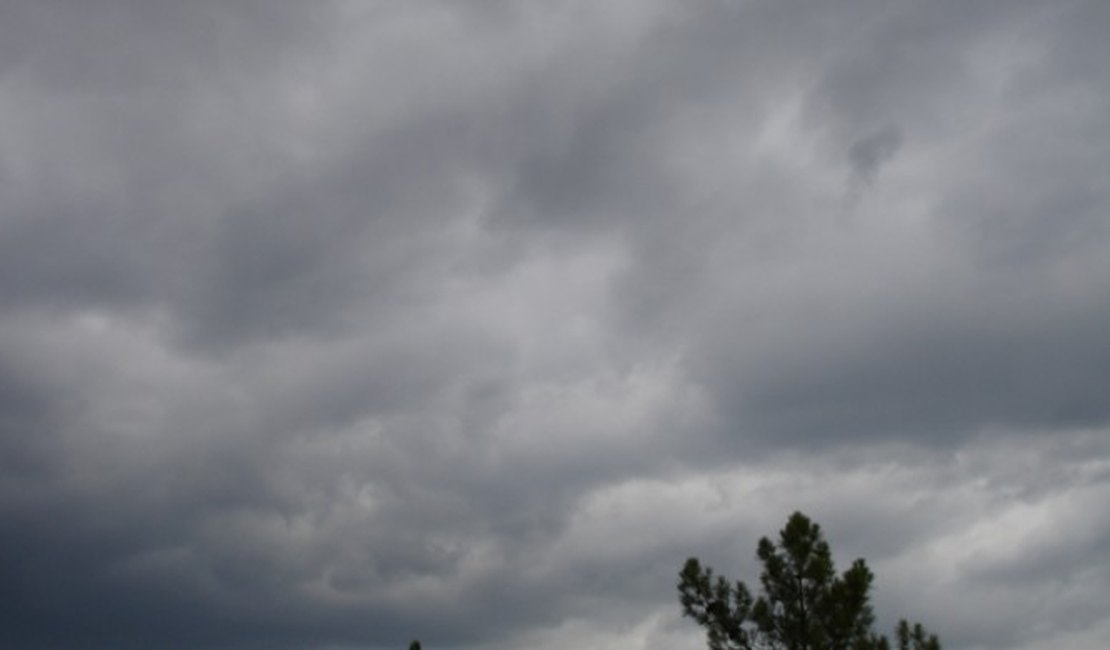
(804,604)
(415,645)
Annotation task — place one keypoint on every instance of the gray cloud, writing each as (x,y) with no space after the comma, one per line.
(870,152)
(347,324)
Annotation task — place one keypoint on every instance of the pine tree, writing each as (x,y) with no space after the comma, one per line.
(916,638)
(804,604)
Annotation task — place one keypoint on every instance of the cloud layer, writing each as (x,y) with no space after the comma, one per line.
(339,324)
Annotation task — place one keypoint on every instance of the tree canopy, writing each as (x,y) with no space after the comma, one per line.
(803,604)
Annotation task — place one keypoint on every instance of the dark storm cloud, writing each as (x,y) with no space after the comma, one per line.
(982,318)
(867,153)
(351,323)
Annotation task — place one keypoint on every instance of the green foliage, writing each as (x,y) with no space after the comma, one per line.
(415,645)
(916,638)
(804,604)
(716,605)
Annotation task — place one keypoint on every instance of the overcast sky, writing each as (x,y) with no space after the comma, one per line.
(339,324)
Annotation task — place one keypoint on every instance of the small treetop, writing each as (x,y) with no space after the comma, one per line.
(804,604)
